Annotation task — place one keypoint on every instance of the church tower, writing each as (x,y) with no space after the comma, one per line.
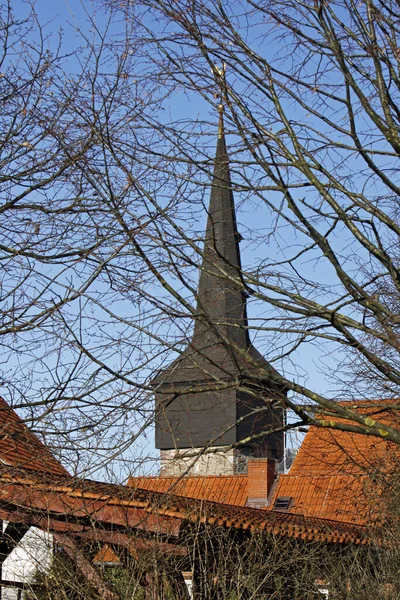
(212,412)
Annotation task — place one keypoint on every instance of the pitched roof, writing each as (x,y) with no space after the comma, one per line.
(47,501)
(106,555)
(332,451)
(330,476)
(20,448)
(226,489)
(221,318)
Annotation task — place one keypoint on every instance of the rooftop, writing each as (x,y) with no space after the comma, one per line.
(21,448)
(334,474)
(227,489)
(326,482)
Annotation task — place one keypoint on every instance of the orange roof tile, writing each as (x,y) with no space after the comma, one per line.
(225,489)
(331,451)
(330,474)
(106,555)
(46,503)
(19,447)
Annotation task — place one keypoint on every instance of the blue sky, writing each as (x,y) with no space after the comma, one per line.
(57,15)
(68,16)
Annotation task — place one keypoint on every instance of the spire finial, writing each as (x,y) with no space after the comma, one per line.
(221,121)
(219,74)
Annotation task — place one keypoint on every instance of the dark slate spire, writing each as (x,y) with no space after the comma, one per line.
(220,349)
(221,302)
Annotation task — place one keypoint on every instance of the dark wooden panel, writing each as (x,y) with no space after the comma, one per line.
(196,420)
(255,416)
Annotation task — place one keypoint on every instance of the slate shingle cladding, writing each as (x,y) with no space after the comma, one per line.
(198,400)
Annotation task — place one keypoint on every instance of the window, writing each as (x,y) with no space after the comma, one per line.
(283,503)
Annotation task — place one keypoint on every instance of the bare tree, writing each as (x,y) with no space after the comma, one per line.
(235,565)
(104,194)
(71,275)
(103,198)
(311,99)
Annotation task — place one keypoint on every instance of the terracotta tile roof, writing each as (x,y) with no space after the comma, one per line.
(329,477)
(332,452)
(72,503)
(19,447)
(106,555)
(338,497)
(327,480)
(226,489)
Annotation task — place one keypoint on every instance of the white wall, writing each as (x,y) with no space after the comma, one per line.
(34,552)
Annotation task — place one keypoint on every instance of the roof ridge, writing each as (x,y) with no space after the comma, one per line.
(183,477)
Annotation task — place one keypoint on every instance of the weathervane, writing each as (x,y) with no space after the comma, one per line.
(219,74)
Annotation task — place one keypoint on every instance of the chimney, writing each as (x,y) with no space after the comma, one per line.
(261,474)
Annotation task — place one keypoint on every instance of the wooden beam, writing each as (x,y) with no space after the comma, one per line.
(94,531)
(19,585)
(107,510)
(131,542)
(85,566)
(44,522)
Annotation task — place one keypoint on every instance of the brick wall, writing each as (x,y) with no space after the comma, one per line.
(261,474)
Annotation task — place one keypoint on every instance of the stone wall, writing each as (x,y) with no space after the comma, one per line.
(197,461)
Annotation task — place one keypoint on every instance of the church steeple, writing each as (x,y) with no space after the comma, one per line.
(221,301)
(190,410)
